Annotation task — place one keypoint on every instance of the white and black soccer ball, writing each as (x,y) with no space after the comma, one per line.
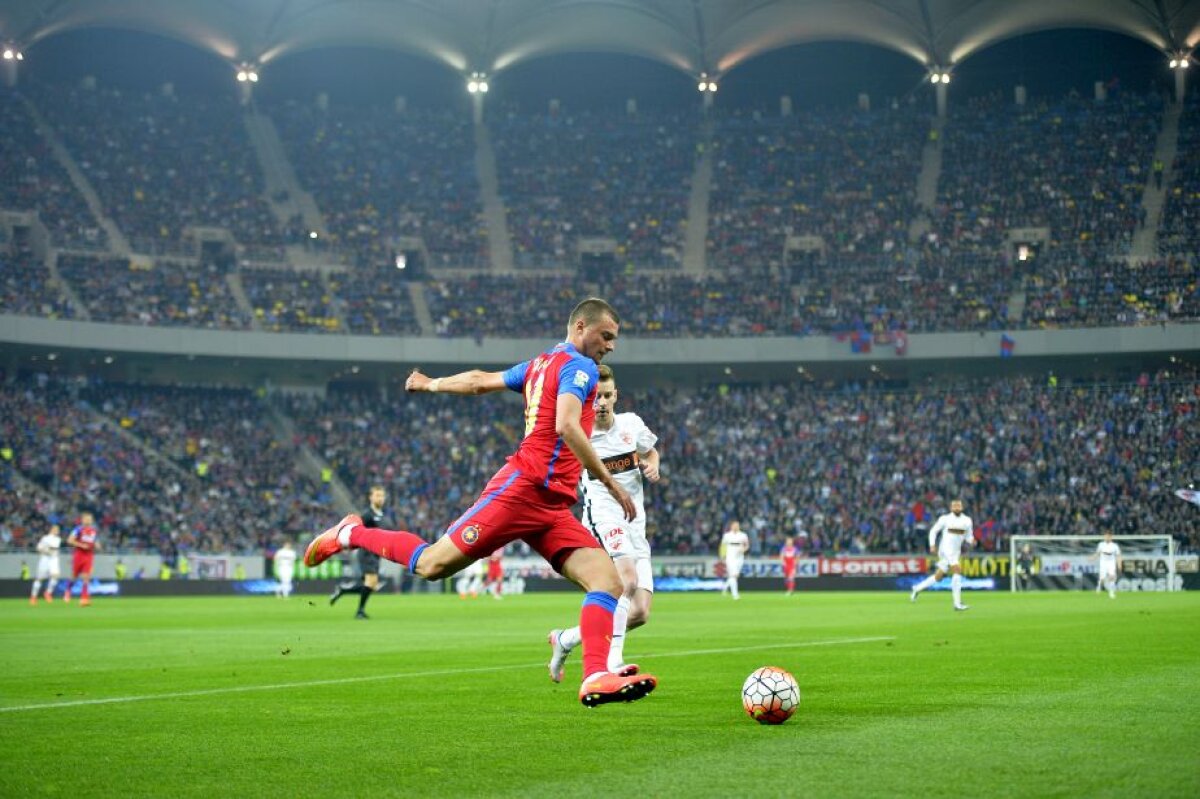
(770,695)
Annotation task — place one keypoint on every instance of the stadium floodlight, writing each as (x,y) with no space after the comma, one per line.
(477,83)
(242,76)
(312,234)
(247,73)
(9,54)
(705,84)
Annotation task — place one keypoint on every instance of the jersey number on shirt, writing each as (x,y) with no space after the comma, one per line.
(533,396)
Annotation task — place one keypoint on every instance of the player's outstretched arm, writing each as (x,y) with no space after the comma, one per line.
(650,465)
(567,415)
(474,381)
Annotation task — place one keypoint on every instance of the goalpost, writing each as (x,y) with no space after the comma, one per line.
(1069,562)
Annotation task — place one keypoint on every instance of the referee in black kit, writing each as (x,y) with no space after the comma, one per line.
(367,562)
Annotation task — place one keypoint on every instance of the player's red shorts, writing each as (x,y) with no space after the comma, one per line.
(81,563)
(789,568)
(511,507)
(495,570)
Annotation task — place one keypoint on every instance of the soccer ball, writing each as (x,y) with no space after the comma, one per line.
(770,695)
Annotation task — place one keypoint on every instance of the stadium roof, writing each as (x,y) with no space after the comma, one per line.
(693,35)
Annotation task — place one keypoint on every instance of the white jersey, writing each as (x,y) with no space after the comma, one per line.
(621,448)
(1108,552)
(955,529)
(285,561)
(736,544)
(47,547)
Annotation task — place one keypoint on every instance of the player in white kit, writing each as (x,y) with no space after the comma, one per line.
(1109,553)
(956,530)
(285,569)
(734,546)
(47,565)
(626,446)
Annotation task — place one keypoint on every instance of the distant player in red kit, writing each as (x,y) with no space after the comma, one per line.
(787,556)
(83,538)
(530,498)
(495,573)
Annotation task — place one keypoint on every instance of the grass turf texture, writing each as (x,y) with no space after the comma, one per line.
(1062,694)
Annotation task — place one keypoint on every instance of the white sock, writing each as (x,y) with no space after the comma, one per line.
(616,649)
(956,588)
(570,638)
(343,536)
(50,585)
(928,581)
(733,586)
(36,585)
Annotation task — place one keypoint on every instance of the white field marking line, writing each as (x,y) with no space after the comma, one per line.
(240,689)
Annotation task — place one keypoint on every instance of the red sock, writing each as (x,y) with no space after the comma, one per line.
(790,584)
(399,546)
(86,595)
(595,628)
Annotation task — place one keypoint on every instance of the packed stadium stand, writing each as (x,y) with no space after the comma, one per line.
(846,468)
(378,175)
(567,176)
(847,176)
(163,468)
(162,164)
(31,178)
(1180,233)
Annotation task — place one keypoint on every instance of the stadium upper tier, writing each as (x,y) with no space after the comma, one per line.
(843,467)
(814,221)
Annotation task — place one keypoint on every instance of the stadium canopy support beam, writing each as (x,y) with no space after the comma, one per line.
(1180,86)
(10,72)
(941,90)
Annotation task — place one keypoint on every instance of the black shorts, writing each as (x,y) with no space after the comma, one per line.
(368,562)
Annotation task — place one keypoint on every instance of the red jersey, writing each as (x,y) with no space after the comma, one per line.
(86,536)
(788,556)
(542,455)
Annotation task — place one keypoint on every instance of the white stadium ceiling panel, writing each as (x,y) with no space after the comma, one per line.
(692,35)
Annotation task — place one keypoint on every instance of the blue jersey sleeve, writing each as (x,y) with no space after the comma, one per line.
(514,376)
(578,376)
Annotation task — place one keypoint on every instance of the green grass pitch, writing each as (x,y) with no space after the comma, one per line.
(1052,694)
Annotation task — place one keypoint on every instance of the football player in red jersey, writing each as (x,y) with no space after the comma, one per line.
(495,574)
(787,556)
(83,538)
(530,498)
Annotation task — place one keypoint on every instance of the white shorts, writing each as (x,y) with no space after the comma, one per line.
(1108,572)
(625,540)
(946,560)
(286,575)
(47,567)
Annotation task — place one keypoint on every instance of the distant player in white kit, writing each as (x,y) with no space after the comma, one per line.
(626,446)
(734,546)
(285,569)
(956,530)
(47,565)
(1109,553)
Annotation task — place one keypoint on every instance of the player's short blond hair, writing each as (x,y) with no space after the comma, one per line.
(592,310)
(606,373)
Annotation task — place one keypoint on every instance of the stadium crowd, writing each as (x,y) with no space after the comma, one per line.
(845,469)
(379,175)
(1180,231)
(852,469)
(567,176)
(164,293)
(163,469)
(847,176)
(1072,164)
(161,164)
(27,289)
(31,179)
